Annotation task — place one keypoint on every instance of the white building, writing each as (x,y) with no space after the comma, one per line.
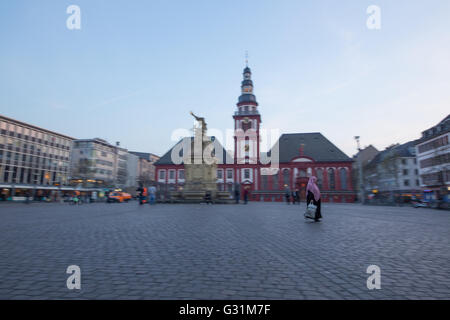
(132,170)
(433,155)
(97,162)
(393,171)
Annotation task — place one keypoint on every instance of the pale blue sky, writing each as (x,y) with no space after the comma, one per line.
(136,68)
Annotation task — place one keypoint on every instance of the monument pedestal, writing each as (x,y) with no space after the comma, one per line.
(200,173)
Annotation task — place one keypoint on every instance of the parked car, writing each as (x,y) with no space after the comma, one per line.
(119,197)
(419,204)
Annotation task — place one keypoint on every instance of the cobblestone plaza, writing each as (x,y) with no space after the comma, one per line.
(258,251)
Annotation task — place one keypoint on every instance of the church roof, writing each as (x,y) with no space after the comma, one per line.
(223,155)
(315,146)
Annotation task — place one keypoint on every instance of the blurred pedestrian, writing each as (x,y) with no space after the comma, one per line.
(237,194)
(297,196)
(208,197)
(152,191)
(245,195)
(27,197)
(287,195)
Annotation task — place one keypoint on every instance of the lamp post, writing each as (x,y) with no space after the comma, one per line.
(360,164)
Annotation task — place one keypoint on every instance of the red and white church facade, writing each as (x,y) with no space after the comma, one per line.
(267,176)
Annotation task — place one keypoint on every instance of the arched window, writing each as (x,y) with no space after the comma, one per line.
(343,173)
(264,181)
(331,179)
(275,182)
(319,176)
(302,174)
(286,176)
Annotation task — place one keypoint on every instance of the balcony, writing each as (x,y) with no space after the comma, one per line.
(246,113)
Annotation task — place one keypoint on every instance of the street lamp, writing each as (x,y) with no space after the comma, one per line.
(358,158)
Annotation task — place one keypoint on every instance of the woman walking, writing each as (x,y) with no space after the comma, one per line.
(313,194)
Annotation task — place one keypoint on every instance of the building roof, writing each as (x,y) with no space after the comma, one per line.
(102,142)
(315,146)
(144,155)
(406,150)
(35,127)
(247,97)
(166,159)
(366,155)
(439,129)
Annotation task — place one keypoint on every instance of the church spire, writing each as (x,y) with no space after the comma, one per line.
(247,119)
(247,97)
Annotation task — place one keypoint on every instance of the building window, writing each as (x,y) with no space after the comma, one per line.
(162,175)
(286,176)
(331,179)
(275,181)
(404,161)
(181,174)
(319,176)
(343,179)
(417,183)
(219,174)
(405,172)
(246,173)
(230,174)
(171,174)
(406,183)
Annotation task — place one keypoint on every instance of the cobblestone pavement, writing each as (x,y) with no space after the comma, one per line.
(258,251)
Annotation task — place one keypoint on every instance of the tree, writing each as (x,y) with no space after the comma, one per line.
(144,179)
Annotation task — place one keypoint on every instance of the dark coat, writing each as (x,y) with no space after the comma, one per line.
(309,198)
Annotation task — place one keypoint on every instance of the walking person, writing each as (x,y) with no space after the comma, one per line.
(142,194)
(245,195)
(297,196)
(27,197)
(75,198)
(208,197)
(237,194)
(287,195)
(313,194)
(152,191)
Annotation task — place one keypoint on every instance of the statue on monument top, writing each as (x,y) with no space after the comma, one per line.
(201,121)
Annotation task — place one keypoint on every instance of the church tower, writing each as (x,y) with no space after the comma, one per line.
(247,122)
